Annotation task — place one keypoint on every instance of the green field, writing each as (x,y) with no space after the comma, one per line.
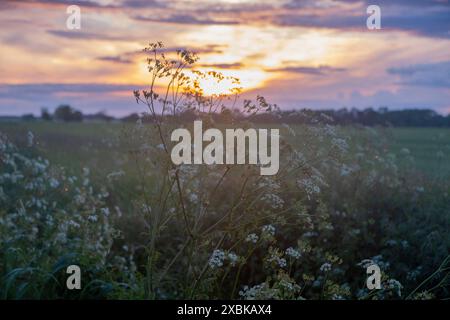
(94,145)
(111,201)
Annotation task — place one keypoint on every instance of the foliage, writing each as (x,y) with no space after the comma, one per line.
(337,205)
(67,114)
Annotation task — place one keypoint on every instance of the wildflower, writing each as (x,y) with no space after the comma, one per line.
(293,253)
(193,198)
(74,224)
(391,243)
(340,144)
(325,267)
(311,185)
(54,183)
(72,179)
(233,258)
(425,295)
(268,230)
(289,285)
(92,218)
(114,175)
(310,234)
(405,151)
(275,257)
(282,262)
(252,237)
(393,284)
(274,200)
(217,259)
(366,263)
(30,138)
(118,211)
(289,129)
(414,274)
(260,291)
(346,170)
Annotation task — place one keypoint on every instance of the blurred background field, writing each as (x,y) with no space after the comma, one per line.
(384,198)
(98,145)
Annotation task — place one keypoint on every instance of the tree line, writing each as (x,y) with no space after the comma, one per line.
(344,116)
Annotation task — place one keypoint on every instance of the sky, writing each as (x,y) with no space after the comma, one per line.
(296,53)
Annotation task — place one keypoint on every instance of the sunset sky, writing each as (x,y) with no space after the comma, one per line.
(297,53)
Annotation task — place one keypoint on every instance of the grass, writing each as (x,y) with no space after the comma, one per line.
(93,145)
(392,206)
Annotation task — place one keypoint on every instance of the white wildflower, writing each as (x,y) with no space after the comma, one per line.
(252,237)
(105,211)
(395,285)
(54,183)
(217,258)
(115,175)
(274,200)
(325,267)
(233,258)
(282,262)
(92,218)
(193,198)
(268,230)
(30,139)
(74,224)
(293,253)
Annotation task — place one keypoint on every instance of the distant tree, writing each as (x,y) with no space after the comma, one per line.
(67,114)
(45,115)
(99,116)
(28,117)
(103,116)
(131,118)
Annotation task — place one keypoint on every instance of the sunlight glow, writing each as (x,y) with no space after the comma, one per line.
(249,79)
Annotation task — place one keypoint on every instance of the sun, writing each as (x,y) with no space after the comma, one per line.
(227,82)
(214,87)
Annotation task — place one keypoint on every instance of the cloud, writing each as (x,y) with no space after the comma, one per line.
(318,71)
(185,19)
(128,57)
(31,90)
(425,17)
(115,59)
(88,97)
(81,3)
(82,35)
(223,65)
(432,24)
(428,75)
(144,4)
(211,48)
(420,3)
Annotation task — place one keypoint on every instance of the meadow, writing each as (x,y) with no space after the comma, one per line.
(108,198)
(74,144)
(400,220)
